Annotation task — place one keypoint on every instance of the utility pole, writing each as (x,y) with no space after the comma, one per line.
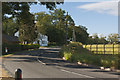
(74,37)
(66,26)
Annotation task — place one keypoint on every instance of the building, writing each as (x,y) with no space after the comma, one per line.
(43,40)
(9,39)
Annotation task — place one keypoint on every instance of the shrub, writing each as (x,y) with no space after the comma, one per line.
(29,46)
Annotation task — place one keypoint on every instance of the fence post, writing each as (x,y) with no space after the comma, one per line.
(85,45)
(113,49)
(104,48)
(90,47)
(97,48)
(18,74)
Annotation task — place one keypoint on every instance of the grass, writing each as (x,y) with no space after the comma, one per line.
(74,52)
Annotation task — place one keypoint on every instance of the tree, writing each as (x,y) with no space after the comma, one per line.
(102,39)
(43,22)
(58,16)
(27,30)
(63,21)
(113,38)
(9,27)
(81,34)
(54,25)
(14,8)
(20,10)
(45,26)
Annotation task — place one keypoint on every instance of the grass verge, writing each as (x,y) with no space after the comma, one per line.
(74,52)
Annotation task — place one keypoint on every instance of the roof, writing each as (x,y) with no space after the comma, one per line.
(10,38)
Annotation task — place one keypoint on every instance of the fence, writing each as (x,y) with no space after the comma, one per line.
(104,48)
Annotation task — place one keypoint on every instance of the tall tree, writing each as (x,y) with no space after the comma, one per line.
(56,21)
(27,29)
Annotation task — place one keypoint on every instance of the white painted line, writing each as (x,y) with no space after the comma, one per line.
(40,61)
(76,73)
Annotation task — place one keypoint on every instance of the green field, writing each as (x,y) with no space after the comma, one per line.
(104,49)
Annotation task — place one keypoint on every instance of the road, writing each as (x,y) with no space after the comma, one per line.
(45,63)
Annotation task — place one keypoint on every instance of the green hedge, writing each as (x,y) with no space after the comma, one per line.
(29,46)
(74,52)
(17,47)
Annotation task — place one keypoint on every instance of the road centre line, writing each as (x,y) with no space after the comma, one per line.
(76,73)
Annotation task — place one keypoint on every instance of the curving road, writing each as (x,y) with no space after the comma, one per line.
(45,63)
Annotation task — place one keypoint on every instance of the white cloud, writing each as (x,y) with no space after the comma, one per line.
(109,7)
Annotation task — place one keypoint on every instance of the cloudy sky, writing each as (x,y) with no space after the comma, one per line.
(99,17)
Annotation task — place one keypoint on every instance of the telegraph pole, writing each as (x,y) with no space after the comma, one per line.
(66,26)
(74,37)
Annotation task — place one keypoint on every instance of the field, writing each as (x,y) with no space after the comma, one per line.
(104,48)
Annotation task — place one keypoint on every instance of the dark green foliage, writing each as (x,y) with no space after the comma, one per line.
(56,35)
(94,39)
(15,8)
(25,20)
(81,34)
(9,27)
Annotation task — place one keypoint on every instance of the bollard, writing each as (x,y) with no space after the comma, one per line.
(18,74)
(6,50)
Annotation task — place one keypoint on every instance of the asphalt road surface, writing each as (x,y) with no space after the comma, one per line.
(45,63)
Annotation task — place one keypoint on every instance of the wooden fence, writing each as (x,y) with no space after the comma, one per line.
(104,48)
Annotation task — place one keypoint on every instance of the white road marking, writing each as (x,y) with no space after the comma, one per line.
(40,61)
(68,71)
(76,73)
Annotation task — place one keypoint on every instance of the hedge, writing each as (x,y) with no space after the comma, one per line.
(17,47)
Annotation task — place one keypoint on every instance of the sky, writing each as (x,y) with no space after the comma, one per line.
(97,17)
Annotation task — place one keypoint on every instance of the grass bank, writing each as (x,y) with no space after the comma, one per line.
(74,52)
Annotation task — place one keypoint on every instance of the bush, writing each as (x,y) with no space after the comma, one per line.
(29,46)
(74,52)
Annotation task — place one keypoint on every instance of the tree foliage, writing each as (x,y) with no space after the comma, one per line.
(10,27)
(113,38)
(25,20)
(57,25)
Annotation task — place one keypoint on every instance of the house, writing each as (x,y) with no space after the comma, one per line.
(9,39)
(42,39)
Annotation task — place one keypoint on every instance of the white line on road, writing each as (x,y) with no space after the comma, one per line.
(76,73)
(68,71)
(40,61)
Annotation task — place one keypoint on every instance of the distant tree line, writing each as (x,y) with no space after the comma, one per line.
(112,38)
